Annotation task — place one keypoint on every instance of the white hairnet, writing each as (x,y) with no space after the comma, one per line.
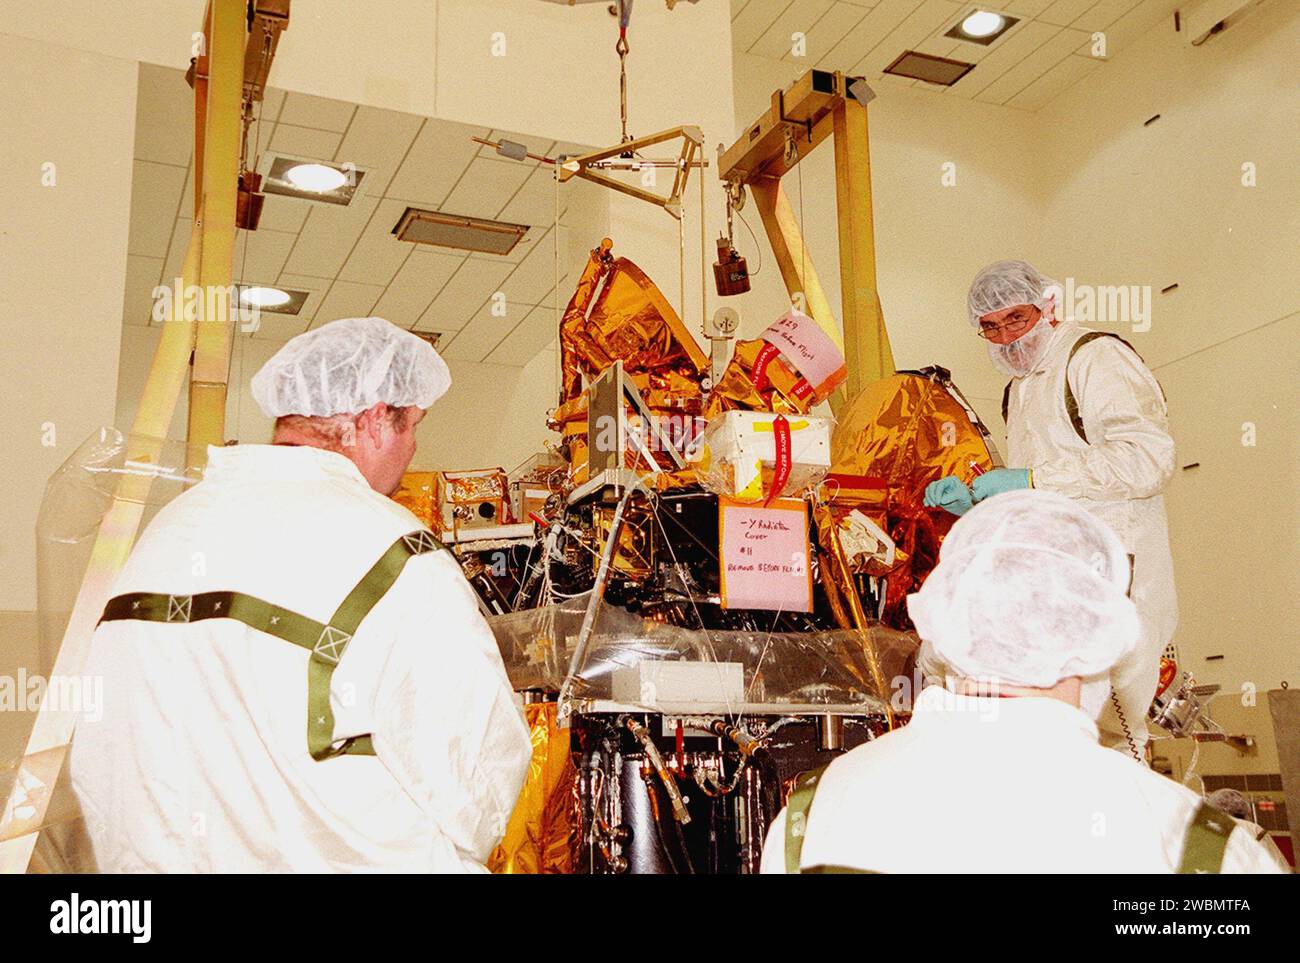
(347,366)
(1004,284)
(1030,589)
(1230,801)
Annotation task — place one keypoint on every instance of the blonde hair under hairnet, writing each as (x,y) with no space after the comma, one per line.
(1004,284)
(1030,589)
(347,366)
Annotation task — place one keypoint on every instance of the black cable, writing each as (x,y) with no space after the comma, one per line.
(1123,723)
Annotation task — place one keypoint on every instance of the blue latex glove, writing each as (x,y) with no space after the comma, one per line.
(997,481)
(949,493)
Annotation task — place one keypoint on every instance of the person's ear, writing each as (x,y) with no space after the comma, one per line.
(371,423)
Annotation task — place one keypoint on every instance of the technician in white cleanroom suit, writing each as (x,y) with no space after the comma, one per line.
(1085,418)
(1000,770)
(226,747)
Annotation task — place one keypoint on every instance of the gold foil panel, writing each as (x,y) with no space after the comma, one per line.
(891,441)
(418,492)
(737,389)
(539,836)
(616,313)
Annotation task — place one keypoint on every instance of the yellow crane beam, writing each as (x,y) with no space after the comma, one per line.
(816,106)
(208,259)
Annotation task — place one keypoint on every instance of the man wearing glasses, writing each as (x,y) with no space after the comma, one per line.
(1086,419)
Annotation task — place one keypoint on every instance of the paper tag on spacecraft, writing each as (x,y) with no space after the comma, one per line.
(805,345)
(764,556)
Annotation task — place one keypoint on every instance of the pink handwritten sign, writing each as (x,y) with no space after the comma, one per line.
(804,344)
(764,556)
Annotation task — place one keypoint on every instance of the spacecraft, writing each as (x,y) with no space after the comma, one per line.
(699,591)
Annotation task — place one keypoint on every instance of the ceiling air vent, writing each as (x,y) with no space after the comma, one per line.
(933,70)
(461,233)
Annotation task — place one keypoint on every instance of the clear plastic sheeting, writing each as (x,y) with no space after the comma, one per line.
(143,473)
(630,662)
(537,645)
(108,464)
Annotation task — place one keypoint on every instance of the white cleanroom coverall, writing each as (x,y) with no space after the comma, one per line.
(200,762)
(1118,474)
(1014,785)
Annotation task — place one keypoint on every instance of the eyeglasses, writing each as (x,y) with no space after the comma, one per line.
(1019,325)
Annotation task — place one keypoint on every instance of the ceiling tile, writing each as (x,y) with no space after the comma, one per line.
(303,142)
(753,20)
(271,105)
(315,288)
(378,253)
(489,326)
(871,30)
(1055,81)
(534,278)
(156,191)
(280,213)
(164,120)
(436,160)
(534,203)
(1142,18)
(462,296)
(328,236)
(1027,8)
(828,31)
(279,327)
(486,188)
(1063,12)
(778,40)
(929,17)
(347,299)
(180,240)
(260,255)
(536,334)
(263,130)
(142,276)
(376,142)
(416,285)
(1024,73)
(1022,40)
(304,110)
(1103,13)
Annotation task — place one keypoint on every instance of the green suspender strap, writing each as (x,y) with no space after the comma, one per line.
(326,643)
(1207,840)
(1071,402)
(796,826)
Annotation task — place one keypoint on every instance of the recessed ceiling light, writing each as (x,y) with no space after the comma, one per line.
(264,297)
(982,26)
(272,300)
(311,180)
(316,177)
(981,23)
